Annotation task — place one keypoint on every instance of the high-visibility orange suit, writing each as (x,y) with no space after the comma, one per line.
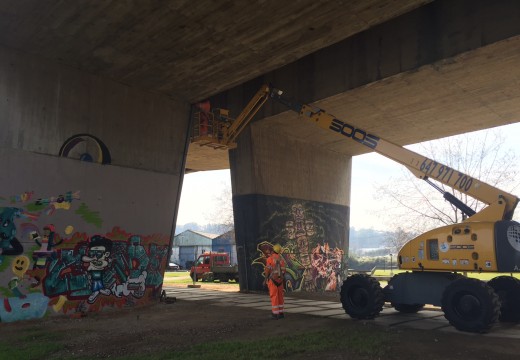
(274,276)
(204,117)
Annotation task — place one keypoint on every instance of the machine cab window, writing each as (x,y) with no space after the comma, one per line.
(433,249)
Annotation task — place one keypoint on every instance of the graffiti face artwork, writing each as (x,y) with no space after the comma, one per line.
(291,232)
(97,260)
(20,265)
(313,261)
(309,227)
(303,230)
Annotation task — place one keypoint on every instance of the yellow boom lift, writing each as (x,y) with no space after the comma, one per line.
(487,241)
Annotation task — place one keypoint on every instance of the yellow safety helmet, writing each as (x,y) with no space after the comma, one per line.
(277,248)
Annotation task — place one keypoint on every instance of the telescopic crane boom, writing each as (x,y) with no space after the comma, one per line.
(487,241)
(501,204)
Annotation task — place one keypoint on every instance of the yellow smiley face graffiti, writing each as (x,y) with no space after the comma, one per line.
(20,265)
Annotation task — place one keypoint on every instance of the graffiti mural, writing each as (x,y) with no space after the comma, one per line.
(312,235)
(46,269)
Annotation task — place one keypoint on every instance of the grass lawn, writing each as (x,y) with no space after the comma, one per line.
(183,277)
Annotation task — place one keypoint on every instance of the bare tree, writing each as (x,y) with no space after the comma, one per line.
(395,240)
(223,214)
(418,206)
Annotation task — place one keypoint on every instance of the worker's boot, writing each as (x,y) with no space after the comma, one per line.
(281,316)
(274,316)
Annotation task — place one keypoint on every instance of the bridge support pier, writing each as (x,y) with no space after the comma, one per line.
(295,194)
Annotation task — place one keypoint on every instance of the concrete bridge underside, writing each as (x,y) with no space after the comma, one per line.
(113,83)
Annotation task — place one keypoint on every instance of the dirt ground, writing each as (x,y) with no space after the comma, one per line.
(178,325)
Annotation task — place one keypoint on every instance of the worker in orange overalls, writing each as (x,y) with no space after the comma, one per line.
(204,117)
(274,278)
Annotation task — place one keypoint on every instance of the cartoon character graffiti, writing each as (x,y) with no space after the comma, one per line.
(47,243)
(9,244)
(98,260)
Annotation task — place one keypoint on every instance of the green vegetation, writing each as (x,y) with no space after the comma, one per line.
(367,263)
(367,342)
(36,345)
(177,277)
(183,277)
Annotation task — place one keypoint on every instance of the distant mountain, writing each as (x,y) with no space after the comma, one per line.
(367,238)
(207,228)
(359,238)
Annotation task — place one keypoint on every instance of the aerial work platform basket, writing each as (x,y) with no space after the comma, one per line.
(209,128)
(214,128)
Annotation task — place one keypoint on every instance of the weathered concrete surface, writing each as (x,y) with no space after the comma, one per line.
(472,91)
(288,192)
(269,163)
(44,103)
(112,224)
(126,72)
(446,68)
(191,51)
(185,49)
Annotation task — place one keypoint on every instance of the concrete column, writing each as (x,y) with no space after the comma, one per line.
(112,221)
(297,195)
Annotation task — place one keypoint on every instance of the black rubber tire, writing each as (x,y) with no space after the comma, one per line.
(508,290)
(208,277)
(470,305)
(408,308)
(362,296)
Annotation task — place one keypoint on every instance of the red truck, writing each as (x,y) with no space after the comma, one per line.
(214,266)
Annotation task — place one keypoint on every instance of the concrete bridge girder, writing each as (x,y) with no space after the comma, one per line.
(449,89)
(58,80)
(473,91)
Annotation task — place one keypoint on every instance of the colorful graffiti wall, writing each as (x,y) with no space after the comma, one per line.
(313,237)
(78,251)
(49,269)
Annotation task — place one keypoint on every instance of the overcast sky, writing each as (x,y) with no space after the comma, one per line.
(201,189)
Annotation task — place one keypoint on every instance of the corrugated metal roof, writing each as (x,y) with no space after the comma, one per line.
(226,238)
(208,235)
(193,238)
